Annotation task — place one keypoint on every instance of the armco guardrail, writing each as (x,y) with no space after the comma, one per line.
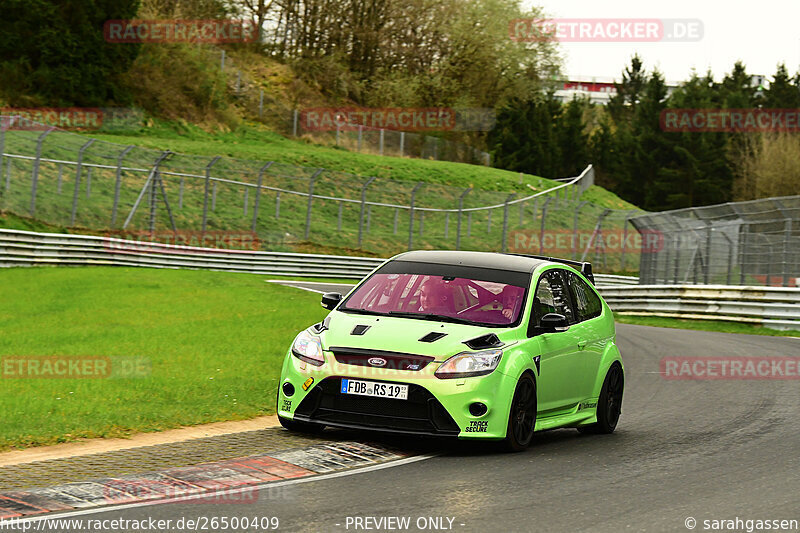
(772,307)
(612,280)
(25,248)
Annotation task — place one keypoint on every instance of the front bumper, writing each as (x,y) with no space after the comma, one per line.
(438,407)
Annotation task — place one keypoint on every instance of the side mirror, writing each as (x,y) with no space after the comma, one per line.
(552,322)
(331,300)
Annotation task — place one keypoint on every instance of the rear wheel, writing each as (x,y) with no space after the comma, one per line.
(609,405)
(522,416)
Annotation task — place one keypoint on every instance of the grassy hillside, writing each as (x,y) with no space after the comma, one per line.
(281,221)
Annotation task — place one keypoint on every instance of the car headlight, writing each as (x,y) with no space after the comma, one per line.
(308,348)
(469,364)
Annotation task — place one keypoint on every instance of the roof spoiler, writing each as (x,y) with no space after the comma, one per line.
(584,268)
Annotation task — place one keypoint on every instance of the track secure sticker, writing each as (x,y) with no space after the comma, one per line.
(477,426)
(287,405)
(308,383)
(587,405)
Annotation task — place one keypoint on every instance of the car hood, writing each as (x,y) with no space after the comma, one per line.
(400,334)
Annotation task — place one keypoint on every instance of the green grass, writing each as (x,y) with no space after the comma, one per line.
(254,142)
(703,325)
(212,340)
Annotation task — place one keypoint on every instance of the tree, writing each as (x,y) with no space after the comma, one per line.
(53,52)
(783,92)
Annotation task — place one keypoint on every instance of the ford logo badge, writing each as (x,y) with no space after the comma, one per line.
(377,361)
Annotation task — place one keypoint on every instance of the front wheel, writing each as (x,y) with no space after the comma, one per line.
(522,416)
(609,405)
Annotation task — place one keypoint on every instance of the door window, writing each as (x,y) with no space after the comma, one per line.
(587,303)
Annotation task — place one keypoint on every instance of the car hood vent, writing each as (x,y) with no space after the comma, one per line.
(484,341)
(433,336)
(359,330)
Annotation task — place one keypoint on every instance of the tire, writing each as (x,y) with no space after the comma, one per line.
(609,405)
(301,427)
(521,416)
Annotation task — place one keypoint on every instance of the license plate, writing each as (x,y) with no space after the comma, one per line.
(371,388)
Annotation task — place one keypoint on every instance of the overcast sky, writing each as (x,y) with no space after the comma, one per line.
(761,33)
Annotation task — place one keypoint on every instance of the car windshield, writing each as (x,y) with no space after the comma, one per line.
(438,297)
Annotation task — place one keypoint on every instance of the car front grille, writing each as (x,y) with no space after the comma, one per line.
(421,413)
(390,360)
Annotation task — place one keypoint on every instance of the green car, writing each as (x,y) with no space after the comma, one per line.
(471,345)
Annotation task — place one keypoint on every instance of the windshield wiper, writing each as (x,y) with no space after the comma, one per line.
(360,311)
(434,317)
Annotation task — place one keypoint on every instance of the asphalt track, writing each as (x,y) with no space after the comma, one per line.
(701,449)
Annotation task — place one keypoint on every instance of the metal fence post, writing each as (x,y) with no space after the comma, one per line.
(707,262)
(730,257)
(396,216)
(743,251)
(261,103)
(78,170)
(261,172)
(311,199)
(60,177)
(421,223)
(278,205)
(35,176)
(411,215)
(360,135)
(504,246)
(3,129)
(402,143)
(337,134)
(460,210)
(152,224)
(117,184)
(787,235)
(544,218)
(149,185)
(339,217)
(446,224)
(380,150)
(624,240)
(246,193)
(363,203)
(222,61)
(205,190)
(214,196)
(575,241)
(294,123)
(597,231)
